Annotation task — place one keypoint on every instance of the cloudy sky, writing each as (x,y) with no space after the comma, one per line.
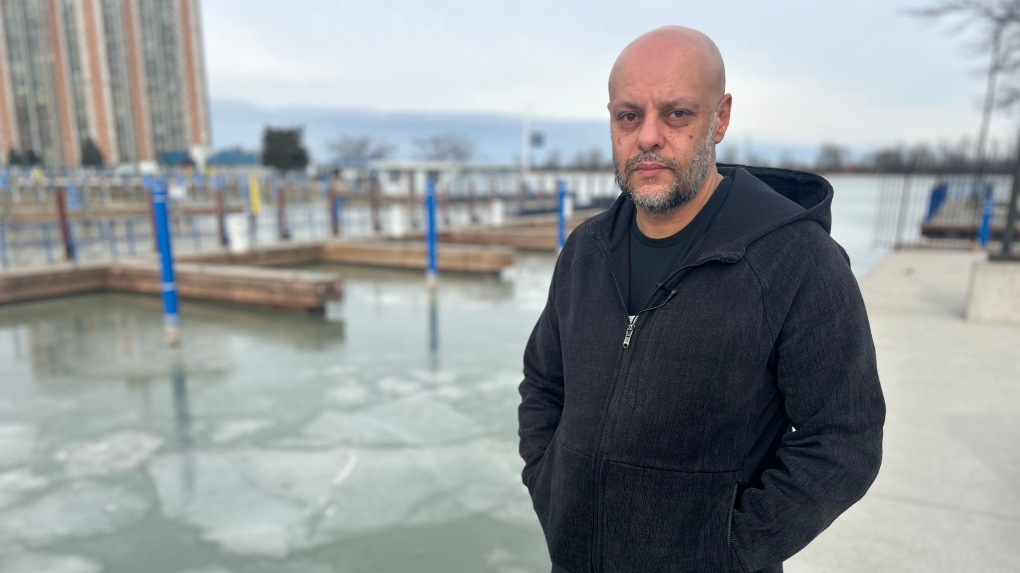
(858,72)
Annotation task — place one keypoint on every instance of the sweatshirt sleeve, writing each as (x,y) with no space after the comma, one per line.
(827,374)
(542,388)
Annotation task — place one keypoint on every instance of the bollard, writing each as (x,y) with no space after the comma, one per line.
(986,218)
(221,223)
(65,226)
(561,219)
(171,318)
(430,234)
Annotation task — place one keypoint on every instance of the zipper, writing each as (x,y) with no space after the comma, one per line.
(729,528)
(622,365)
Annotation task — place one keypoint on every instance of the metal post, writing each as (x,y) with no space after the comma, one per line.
(334,210)
(986,218)
(47,244)
(3,246)
(281,212)
(171,318)
(112,234)
(148,186)
(373,199)
(561,219)
(1011,213)
(65,227)
(130,230)
(221,223)
(430,233)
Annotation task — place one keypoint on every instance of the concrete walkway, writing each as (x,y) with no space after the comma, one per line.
(948,494)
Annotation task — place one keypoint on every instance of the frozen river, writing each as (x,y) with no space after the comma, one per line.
(379,438)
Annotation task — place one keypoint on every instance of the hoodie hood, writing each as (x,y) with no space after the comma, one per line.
(761,200)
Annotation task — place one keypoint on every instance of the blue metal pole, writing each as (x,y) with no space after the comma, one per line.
(430,233)
(171,318)
(561,222)
(986,218)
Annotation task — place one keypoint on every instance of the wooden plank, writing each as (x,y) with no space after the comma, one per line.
(49,282)
(523,238)
(411,255)
(276,288)
(288,255)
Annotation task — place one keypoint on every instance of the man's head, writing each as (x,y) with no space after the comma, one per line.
(668,108)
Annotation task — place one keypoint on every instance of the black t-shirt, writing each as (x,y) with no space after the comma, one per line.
(652,260)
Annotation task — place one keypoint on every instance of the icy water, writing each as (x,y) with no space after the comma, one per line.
(381,437)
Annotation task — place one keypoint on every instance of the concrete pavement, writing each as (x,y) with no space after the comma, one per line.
(947,498)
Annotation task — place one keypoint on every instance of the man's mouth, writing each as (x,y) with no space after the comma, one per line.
(648,169)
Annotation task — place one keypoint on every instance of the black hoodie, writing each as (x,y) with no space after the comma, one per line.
(665,443)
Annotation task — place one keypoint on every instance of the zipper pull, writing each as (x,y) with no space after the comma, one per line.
(630,331)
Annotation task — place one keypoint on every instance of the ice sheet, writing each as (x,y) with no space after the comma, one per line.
(236,429)
(77,510)
(14,484)
(16,444)
(415,420)
(16,560)
(116,453)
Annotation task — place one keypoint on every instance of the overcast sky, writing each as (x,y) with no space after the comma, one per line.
(802,72)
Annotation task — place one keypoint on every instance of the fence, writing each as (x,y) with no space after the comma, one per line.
(102,220)
(934,211)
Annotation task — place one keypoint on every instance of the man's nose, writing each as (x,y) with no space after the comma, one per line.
(650,135)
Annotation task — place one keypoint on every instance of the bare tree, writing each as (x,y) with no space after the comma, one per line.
(445,147)
(999,24)
(831,157)
(359,148)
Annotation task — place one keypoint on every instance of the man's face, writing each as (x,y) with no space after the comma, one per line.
(666,117)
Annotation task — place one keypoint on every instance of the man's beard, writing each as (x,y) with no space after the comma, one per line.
(686,180)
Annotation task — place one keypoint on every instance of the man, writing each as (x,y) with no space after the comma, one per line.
(700,392)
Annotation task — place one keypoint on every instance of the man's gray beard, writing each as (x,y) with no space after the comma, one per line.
(686,180)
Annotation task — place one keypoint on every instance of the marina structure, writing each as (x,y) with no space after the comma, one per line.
(124,77)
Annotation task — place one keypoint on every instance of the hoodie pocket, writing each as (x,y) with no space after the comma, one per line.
(664,521)
(562,493)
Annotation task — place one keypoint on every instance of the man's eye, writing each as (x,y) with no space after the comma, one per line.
(679,113)
(628,117)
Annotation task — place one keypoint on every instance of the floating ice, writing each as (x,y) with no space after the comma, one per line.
(79,510)
(116,453)
(275,502)
(253,502)
(421,419)
(347,395)
(16,444)
(236,429)
(16,483)
(398,387)
(19,561)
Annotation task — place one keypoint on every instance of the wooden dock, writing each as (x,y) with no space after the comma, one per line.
(411,255)
(252,277)
(264,287)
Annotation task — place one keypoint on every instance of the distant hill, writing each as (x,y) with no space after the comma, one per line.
(497,138)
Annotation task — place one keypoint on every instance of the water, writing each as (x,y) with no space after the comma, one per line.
(381,437)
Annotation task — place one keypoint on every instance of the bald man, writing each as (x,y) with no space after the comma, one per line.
(700,392)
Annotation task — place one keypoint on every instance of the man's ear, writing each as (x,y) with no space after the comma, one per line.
(723,118)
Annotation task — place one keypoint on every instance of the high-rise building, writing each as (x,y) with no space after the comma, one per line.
(127,74)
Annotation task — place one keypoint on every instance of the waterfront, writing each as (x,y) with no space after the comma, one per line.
(380,437)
